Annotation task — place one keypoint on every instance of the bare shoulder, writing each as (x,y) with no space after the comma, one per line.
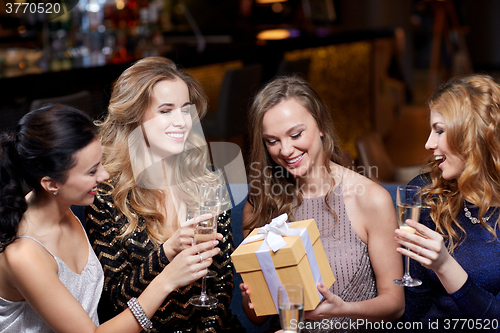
(25,256)
(248,209)
(365,194)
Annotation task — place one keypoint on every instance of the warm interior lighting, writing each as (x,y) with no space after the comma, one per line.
(274,34)
(270,1)
(120,4)
(277,7)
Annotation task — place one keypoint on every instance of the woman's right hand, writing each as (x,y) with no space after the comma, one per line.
(188,266)
(183,237)
(246,295)
(248,306)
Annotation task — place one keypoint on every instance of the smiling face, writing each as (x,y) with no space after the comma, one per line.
(167,121)
(293,138)
(451,165)
(81,184)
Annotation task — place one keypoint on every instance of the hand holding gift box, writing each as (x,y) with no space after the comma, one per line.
(280,253)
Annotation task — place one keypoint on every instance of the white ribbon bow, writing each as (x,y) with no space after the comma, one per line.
(272,233)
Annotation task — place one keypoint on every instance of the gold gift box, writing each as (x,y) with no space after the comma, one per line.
(292,266)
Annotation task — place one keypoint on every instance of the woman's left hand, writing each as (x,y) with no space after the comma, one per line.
(425,246)
(331,306)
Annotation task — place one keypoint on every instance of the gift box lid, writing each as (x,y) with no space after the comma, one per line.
(245,259)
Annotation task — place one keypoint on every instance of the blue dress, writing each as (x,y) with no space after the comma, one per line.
(476,305)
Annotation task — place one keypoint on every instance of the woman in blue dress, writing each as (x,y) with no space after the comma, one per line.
(457,241)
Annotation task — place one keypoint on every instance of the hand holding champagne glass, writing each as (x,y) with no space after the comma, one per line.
(409,203)
(210,203)
(291,307)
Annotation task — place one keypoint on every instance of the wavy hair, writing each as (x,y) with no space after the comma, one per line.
(131,96)
(264,173)
(43,144)
(470,107)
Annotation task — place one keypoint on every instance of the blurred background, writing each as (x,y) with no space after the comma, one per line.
(373,61)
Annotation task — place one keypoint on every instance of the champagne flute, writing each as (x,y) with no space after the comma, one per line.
(291,307)
(210,203)
(409,203)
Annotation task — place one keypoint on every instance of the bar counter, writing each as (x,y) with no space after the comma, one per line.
(343,69)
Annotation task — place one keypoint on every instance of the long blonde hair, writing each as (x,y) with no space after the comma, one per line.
(265,174)
(130,98)
(470,107)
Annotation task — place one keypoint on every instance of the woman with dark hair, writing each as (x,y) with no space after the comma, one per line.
(157,157)
(50,279)
(296,167)
(460,248)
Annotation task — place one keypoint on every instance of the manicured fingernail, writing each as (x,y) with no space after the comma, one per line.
(320,285)
(215,242)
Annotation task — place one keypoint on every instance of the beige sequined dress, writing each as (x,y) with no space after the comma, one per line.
(347,254)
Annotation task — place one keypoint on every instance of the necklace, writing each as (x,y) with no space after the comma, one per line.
(473,219)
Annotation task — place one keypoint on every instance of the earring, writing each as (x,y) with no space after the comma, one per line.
(55,193)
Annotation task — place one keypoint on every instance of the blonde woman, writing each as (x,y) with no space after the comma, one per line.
(50,279)
(156,155)
(459,249)
(296,168)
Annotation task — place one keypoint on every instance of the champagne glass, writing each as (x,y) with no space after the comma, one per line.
(291,307)
(409,203)
(210,203)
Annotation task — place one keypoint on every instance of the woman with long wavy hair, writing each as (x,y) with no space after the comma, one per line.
(156,155)
(296,167)
(50,279)
(459,249)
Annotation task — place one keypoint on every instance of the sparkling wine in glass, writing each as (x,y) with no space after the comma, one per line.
(210,203)
(409,203)
(291,307)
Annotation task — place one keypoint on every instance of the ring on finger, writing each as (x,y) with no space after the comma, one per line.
(201,258)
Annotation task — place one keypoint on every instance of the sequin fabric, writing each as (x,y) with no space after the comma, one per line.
(130,265)
(347,254)
(478,254)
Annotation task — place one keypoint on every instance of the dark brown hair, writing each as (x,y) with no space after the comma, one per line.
(262,169)
(44,144)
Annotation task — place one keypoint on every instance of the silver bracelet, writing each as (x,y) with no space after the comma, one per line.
(139,314)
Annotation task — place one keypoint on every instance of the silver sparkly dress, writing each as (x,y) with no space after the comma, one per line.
(85,287)
(347,254)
